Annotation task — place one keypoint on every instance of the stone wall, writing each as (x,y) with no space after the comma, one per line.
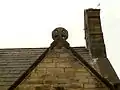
(60,70)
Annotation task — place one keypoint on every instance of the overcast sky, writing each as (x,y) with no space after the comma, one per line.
(29,23)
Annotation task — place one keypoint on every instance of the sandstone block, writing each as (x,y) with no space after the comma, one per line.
(55,70)
(64,55)
(79,74)
(63,81)
(75,85)
(59,60)
(63,65)
(96,89)
(81,70)
(45,65)
(89,86)
(69,70)
(35,81)
(53,55)
(48,60)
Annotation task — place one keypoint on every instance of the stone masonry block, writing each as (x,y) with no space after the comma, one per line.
(83,80)
(63,81)
(53,55)
(33,75)
(60,60)
(75,85)
(96,89)
(81,70)
(34,81)
(40,69)
(46,65)
(49,81)
(69,74)
(69,70)
(59,50)
(74,88)
(79,74)
(39,73)
(61,75)
(55,70)
(64,55)
(63,65)
(89,86)
(92,80)
(48,60)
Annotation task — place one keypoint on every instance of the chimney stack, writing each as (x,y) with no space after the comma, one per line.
(93,33)
(95,44)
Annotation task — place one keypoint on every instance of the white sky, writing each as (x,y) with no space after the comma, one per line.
(29,23)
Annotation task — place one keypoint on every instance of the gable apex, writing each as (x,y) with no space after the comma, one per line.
(59,67)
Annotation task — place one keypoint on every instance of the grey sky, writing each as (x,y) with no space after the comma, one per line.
(29,23)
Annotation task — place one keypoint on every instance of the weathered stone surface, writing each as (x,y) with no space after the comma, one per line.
(64,55)
(47,65)
(64,65)
(55,70)
(63,72)
(60,33)
(90,86)
(95,44)
(13,61)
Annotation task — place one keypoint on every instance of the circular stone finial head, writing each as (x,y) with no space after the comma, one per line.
(60,33)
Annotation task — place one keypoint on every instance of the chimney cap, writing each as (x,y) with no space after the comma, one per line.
(92,9)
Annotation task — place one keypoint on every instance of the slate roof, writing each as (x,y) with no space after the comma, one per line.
(15,63)
(83,52)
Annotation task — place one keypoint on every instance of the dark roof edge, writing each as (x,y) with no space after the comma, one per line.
(19,80)
(100,77)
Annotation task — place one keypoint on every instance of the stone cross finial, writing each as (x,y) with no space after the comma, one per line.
(60,33)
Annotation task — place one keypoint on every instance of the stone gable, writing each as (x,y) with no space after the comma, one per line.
(60,70)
